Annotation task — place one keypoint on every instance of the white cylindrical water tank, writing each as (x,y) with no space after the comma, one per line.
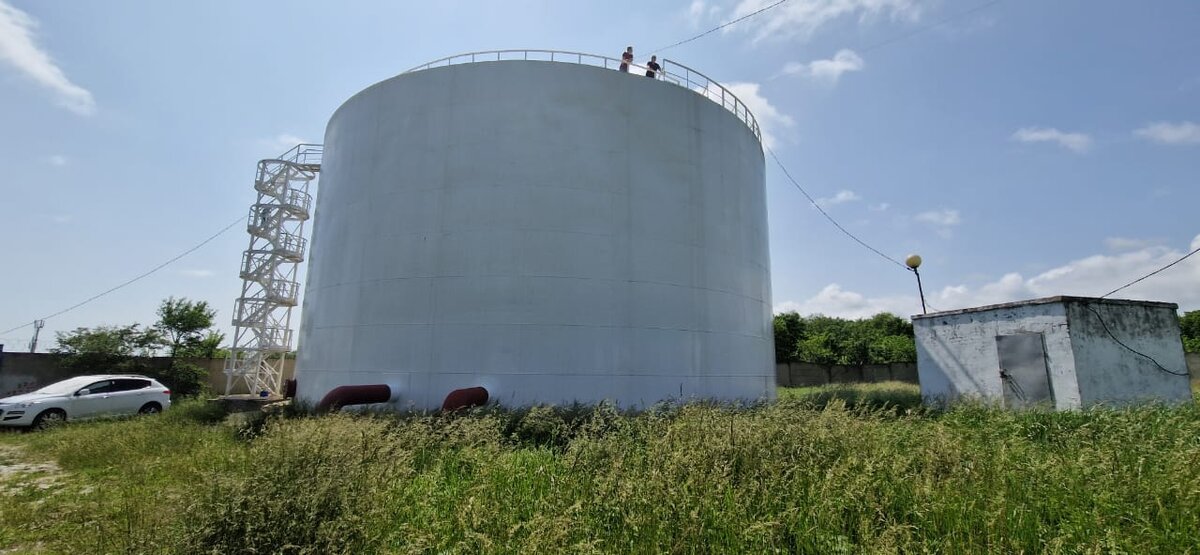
(552,232)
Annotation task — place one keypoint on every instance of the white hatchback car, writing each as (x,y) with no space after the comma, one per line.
(85,397)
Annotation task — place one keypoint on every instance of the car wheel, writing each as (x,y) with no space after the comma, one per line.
(150,408)
(49,419)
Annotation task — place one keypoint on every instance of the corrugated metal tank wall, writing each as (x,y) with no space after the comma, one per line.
(551,232)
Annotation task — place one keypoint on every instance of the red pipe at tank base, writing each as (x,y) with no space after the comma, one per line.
(344,395)
(465,398)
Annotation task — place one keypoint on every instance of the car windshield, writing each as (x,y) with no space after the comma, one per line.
(66,386)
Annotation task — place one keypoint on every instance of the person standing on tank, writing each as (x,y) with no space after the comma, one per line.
(652,67)
(626,59)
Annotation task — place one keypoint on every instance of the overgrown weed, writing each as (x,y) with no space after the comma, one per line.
(848,470)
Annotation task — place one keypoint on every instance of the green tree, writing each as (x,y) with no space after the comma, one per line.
(183,323)
(789,329)
(122,350)
(885,324)
(105,349)
(883,338)
(893,348)
(1189,329)
(187,327)
(819,349)
(208,346)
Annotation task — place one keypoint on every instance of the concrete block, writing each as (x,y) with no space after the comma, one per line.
(845,374)
(783,376)
(874,373)
(905,372)
(804,374)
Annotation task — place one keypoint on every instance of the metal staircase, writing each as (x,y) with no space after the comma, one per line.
(263,313)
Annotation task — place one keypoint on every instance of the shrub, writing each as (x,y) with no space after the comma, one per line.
(310,487)
(183,379)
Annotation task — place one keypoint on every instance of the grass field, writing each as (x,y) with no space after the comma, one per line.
(844,469)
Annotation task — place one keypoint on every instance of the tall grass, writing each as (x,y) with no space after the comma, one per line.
(847,470)
(897,395)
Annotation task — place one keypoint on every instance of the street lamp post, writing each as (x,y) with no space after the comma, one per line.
(913,262)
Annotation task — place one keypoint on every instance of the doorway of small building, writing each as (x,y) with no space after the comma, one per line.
(1024,375)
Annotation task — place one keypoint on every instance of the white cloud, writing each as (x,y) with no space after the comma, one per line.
(801,18)
(879,207)
(769,118)
(61,218)
(835,301)
(699,12)
(1076,142)
(1091,276)
(1167,133)
(280,143)
(826,71)
(19,49)
(57,160)
(1125,244)
(197,273)
(941,218)
(841,197)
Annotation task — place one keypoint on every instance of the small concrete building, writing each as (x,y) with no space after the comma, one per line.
(1061,352)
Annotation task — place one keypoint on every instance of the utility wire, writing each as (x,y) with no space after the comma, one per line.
(719,27)
(867,48)
(131,281)
(830,218)
(934,25)
(1131,349)
(659,50)
(1177,261)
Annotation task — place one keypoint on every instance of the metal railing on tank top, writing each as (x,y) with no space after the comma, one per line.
(671,72)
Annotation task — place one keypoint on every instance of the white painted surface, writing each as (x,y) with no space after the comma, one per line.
(551,232)
(1110,374)
(957,355)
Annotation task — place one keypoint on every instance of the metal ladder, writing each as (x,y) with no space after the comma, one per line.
(263,312)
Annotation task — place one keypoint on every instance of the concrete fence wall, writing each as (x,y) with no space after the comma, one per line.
(806,374)
(25,372)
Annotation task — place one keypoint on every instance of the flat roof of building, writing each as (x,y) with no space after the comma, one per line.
(1047,300)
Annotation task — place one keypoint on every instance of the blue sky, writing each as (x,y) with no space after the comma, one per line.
(1024,149)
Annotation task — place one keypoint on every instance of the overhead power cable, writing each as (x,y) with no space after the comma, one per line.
(135,279)
(830,218)
(868,48)
(719,27)
(934,25)
(1131,349)
(1177,261)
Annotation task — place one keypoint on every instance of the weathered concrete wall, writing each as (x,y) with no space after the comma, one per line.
(1086,363)
(957,357)
(24,372)
(806,374)
(1112,374)
(216,373)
